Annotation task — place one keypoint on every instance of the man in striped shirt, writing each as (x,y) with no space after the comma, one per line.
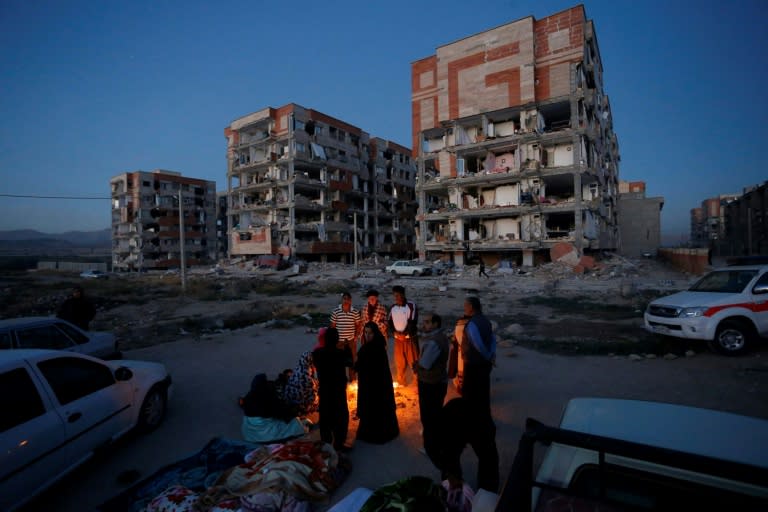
(348,321)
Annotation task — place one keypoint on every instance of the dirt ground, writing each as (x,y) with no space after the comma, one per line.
(560,336)
(548,308)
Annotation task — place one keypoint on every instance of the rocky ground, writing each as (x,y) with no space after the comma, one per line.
(549,308)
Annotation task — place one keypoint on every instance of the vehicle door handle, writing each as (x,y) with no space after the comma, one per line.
(74,417)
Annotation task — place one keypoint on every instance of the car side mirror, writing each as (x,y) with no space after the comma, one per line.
(123,374)
(760,289)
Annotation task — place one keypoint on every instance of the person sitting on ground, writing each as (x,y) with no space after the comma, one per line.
(266,417)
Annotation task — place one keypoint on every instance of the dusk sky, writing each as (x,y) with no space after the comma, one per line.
(89,90)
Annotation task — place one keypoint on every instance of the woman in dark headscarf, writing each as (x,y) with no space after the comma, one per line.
(375,396)
(331,362)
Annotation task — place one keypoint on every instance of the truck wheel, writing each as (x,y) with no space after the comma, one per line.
(732,337)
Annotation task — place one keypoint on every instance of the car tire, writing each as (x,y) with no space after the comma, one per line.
(732,337)
(394,272)
(152,409)
(415,273)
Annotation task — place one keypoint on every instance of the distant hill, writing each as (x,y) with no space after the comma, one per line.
(32,238)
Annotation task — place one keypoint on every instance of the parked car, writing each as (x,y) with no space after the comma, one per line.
(54,333)
(613,454)
(94,274)
(408,268)
(59,408)
(441,267)
(728,307)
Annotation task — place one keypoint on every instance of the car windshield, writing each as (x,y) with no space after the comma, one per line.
(724,281)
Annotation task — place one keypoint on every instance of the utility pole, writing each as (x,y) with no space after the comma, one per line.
(139,241)
(181,244)
(355,239)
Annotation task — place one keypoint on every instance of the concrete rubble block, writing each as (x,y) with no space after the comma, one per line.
(565,253)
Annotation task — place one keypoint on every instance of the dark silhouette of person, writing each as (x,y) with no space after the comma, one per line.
(331,361)
(375,397)
(462,426)
(482,269)
(432,372)
(77,309)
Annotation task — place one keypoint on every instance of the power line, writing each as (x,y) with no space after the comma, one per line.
(52,197)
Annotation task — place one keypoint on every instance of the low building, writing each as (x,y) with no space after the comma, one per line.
(160,218)
(746,223)
(639,220)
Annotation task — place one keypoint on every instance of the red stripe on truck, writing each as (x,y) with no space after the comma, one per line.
(755,308)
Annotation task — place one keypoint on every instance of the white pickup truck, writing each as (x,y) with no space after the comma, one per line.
(728,307)
(408,268)
(632,455)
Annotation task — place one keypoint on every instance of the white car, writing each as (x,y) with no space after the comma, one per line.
(54,333)
(614,454)
(408,268)
(727,307)
(59,408)
(94,274)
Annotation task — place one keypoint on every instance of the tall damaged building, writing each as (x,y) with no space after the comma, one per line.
(157,216)
(302,184)
(514,141)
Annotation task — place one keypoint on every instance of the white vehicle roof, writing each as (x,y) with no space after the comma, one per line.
(707,432)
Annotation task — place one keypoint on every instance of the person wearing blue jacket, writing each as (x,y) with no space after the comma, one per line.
(478,352)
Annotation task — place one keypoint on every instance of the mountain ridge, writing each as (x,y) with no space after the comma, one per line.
(29,237)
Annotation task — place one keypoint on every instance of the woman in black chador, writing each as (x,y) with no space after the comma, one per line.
(331,362)
(375,396)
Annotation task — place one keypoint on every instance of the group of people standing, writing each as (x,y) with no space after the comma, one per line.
(421,350)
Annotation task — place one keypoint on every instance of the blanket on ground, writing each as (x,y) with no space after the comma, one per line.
(270,477)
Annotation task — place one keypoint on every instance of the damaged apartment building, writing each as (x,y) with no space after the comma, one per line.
(156,214)
(304,185)
(515,143)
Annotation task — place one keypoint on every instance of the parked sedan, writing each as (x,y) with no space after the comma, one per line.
(55,333)
(59,408)
(408,268)
(94,274)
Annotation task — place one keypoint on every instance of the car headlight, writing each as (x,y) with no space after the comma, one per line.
(692,312)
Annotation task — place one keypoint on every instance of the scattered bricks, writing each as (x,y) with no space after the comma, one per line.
(588,262)
(565,253)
